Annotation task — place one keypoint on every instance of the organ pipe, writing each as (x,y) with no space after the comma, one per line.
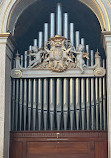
(92,103)
(17,104)
(66,25)
(29,103)
(45,33)
(52,25)
(59,102)
(45,103)
(104,98)
(77,39)
(87,50)
(30,49)
(77,102)
(97,102)
(21,96)
(83,102)
(59,19)
(72,103)
(65,102)
(40,39)
(13,103)
(52,102)
(72,33)
(25,94)
(87,93)
(34,103)
(39,103)
(88,102)
(35,42)
(82,41)
(100,102)
(92,57)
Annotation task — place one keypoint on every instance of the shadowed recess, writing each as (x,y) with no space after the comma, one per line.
(33,18)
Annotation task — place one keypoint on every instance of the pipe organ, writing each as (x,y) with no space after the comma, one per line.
(55,85)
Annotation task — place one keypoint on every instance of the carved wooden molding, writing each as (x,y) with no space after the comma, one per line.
(60,134)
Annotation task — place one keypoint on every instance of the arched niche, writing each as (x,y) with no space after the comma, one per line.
(11,12)
(32,19)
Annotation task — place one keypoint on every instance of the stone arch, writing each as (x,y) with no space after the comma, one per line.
(10,12)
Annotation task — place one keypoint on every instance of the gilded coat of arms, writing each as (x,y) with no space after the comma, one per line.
(58,50)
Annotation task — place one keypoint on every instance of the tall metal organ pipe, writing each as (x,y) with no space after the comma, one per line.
(72,103)
(25,94)
(21,98)
(45,33)
(83,102)
(77,102)
(59,19)
(52,102)
(34,103)
(83,95)
(92,102)
(52,24)
(29,103)
(72,33)
(97,102)
(65,102)
(87,94)
(58,102)
(45,103)
(17,104)
(13,104)
(39,103)
(100,103)
(104,98)
(66,25)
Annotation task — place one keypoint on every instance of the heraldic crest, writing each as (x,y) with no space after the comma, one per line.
(58,55)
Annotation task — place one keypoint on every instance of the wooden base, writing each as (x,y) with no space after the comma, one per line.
(58,144)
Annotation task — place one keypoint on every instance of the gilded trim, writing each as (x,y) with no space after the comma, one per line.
(106,14)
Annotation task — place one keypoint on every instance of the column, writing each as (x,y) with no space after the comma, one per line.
(6,50)
(107,47)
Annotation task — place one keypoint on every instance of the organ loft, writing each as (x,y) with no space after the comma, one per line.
(58,87)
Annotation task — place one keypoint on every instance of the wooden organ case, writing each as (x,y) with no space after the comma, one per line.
(58,97)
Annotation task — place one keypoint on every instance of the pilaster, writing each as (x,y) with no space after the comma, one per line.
(107,47)
(6,50)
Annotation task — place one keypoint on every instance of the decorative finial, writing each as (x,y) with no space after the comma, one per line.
(17,54)
(97,53)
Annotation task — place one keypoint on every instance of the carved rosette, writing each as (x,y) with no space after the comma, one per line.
(16,73)
(99,72)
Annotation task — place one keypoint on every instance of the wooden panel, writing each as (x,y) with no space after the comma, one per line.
(101,149)
(16,149)
(68,144)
